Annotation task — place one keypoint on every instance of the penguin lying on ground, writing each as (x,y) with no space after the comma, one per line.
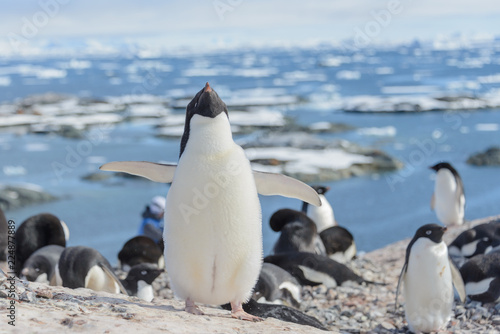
(85,267)
(298,233)
(38,231)
(277,286)
(139,280)
(481,275)
(428,276)
(280,312)
(213,219)
(448,198)
(140,249)
(339,244)
(480,239)
(41,265)
(314,269)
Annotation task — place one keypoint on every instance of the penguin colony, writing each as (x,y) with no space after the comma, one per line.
(210,259)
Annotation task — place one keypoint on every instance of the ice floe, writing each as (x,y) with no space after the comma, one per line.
(295,160)
(387,131)
(415,103)
(147,110)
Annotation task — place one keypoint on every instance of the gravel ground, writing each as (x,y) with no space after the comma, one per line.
(351,308)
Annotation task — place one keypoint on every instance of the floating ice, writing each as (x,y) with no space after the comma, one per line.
(5,81)
(306,160)
(387,131)
(348,75)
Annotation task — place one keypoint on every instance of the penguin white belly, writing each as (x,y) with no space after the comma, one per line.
(428,287)
(322,215)
(449,208)
(97,280)
(213,233)
(145,291)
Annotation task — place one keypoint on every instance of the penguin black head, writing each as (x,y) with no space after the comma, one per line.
(432,232)
(144,272)
(206,103)
(446,165)
(36,267)
(283,217)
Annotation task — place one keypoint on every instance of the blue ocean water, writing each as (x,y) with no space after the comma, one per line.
(377,209)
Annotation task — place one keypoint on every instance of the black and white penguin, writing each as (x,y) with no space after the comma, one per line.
(41,265)
(428,275)
(481,275)
(298,233)
(339,244)
(277,286)
(338,241)
(3,236)
(140,249)
(213,219)
(280,312)
(480,239)
(321,215)
(313,269)
(38,231)
(85,267)
(140,279)
(448,199)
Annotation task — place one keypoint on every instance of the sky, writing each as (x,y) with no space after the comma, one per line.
(212,23)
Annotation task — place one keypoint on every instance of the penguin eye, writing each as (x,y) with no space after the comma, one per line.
(486,239)
(37,269)
(428,232)
(144,272)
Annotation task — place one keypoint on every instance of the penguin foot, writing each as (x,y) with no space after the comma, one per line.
(238,313)
(192,308)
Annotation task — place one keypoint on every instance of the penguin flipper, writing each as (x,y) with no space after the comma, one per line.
(279,184)
(400,280)
(156,172)
(433,201)
(457,280)
(113,278)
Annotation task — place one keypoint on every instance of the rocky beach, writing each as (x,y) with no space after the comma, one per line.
(351,308)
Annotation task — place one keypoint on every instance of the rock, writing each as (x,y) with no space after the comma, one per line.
(294,154)
(97,176)
(14,197)
(490,157)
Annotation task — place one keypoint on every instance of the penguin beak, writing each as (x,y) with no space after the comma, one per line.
(445,229)
(207,88)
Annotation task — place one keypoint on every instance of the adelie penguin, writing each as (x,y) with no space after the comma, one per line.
(481,275)
(323,215)
(36,232)
(140,249)
(338,241)
(428,276)
(85,267)
(313,269)
(480,239)
(41,265)
(140,279)
(448,199)
(213,219)
(277,286)
(298,233)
